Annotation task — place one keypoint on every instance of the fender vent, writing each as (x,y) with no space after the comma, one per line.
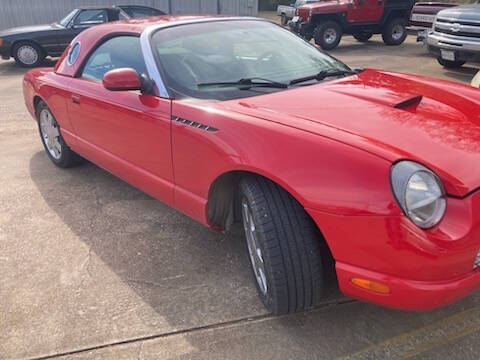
(477,261)
(194,124)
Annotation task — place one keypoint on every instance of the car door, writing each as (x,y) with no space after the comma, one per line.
(126,132)
(366,11)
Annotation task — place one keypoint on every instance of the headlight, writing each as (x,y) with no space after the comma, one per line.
(419,192)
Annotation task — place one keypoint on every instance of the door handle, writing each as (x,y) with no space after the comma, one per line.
(76,99)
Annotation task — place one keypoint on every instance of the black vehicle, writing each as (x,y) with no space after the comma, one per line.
(29,45)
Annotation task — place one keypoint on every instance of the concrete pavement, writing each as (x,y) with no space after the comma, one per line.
(91,268)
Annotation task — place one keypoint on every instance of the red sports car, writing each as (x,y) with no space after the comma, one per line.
(237,119)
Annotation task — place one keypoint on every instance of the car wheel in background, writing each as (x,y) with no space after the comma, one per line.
(451,64)
(56,148)
(283,20)
(395,32)
(363,36)
(328,35)
(284,247)
(28,54)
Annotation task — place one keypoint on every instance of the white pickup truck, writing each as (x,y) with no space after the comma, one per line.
(287,12)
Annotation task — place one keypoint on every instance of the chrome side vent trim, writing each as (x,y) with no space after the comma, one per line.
(477,261)
(194,124)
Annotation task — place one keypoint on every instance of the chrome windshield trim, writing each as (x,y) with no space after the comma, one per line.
(147,50)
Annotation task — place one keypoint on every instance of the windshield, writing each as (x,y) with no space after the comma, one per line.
(228,51)
(66,20)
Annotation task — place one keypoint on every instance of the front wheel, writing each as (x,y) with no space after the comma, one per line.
(27,54)
(395,32)
(283,20)
(451,64)
(55,147)
(328,35)
(284,247)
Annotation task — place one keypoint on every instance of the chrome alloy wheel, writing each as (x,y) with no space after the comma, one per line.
(397,32)
(330,36)
(27,54)
(254,250)
(50,134)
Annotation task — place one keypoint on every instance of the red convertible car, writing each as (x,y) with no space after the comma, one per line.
(237,119)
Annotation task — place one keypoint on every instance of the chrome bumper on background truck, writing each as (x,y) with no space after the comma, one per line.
(454,48)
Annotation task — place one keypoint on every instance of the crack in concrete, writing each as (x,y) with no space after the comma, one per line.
(224,325)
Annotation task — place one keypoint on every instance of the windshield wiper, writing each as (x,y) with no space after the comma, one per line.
(248,83)
(322,75)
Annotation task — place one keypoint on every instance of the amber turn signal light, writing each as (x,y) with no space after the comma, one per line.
(371,285)
(1,41)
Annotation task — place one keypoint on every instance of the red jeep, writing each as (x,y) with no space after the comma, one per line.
(328,21)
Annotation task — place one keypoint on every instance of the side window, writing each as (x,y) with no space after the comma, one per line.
(119,52)
(91,17)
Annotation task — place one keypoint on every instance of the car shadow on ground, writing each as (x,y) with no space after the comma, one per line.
(192,277)
(158,251)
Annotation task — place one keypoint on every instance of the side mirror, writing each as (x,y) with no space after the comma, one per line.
(123,79)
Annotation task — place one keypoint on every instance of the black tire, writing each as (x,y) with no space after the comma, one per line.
(290,246)
(33,55)
(67,157)
(395,32)
(363,36)
(451,64)
(283,20)
(328,35)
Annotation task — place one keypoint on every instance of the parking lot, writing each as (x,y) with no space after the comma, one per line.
(92,268)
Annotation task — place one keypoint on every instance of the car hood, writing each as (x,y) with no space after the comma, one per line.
(29,29)
(394,116)
(464,13)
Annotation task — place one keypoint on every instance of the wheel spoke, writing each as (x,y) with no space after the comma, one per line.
(255,253)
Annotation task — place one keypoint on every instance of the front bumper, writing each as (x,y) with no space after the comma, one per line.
(465,48)
(302,28)
(407,294)
(420,31)
(424,269)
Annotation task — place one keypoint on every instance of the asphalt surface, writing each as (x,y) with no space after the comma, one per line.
(91,268)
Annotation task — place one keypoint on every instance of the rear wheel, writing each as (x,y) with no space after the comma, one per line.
(56,148)
(395,32)
(284,247)
(363,36)
(451,64)
(283,20)
(28,54)
(328,35)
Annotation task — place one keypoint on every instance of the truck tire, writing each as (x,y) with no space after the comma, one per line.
(28,54)
(55,147)
(328,35)
(284,247)
(363,36)
(283,20)
(451,64)
(395,32)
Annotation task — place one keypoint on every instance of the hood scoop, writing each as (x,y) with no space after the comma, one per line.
(398,100)
(410,103)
